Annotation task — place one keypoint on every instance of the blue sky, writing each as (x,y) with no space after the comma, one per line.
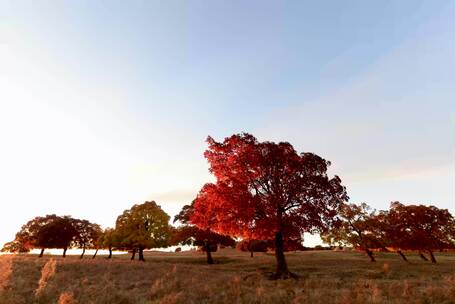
(106,104)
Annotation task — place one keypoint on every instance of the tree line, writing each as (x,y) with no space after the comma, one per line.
(401,228)
(265,194)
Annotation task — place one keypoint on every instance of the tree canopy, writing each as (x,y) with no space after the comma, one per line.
(142,227)
(266,190)
(50,231)
(419,227)
(87,234)
(188,234)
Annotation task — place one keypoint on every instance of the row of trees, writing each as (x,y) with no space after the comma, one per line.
(402,227)
(265,192)
(141,227)
(52,231)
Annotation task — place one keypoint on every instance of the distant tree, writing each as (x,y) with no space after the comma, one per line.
(15,247)
(419,227)
(60,233)
(293,244)
(383,229)
(264,245)
(108,240)
(87,235)
(50,231)
(142,227)
(356,227)
(265,190)
(252,246)
(188,234)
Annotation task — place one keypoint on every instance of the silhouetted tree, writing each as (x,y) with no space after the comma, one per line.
(191,235)
(50,231)
(142,227)
(356,226)
(15,247)
(252,246)
(267,191)
(108,240)
(60,233)
(419,227)
(264,245)
(87,235)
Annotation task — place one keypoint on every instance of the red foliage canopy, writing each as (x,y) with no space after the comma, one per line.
(419,227)
(263,188)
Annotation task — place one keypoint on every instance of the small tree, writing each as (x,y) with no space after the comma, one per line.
(59,233)
(107,240)
(50,231)
(356,226)
(142,227)
(191,235)
(15,247)
(252,246)
(419,227)
(87,235)
(266,190)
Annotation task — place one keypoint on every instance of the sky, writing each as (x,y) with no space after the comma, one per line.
(105,104)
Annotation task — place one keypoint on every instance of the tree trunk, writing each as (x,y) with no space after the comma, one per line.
(110,253)
(282,271)
(208,252)
(433,259)
(370,254)
(41,253)
(96,251)
(64,252)
(133,254)
(402,255)
(422,256)
(83,252)
(251,253)
(141,254)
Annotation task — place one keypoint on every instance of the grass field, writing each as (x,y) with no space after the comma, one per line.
(325,277)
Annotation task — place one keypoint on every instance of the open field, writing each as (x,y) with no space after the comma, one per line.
(325,277)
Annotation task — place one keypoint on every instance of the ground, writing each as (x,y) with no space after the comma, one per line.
(325,277)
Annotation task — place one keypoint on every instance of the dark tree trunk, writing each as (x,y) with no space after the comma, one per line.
(83,252)
(433,259)
(110,253)
(208,252)
(94,255)
(251,253)
(64,252)
(370,255)
(133,254)
(402,255)
(282,271)
(41,253)
(422,256)
(141,254)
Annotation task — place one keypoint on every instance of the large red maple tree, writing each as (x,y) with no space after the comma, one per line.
(268,191)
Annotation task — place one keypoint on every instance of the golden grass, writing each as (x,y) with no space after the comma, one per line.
(6,270)
(67,298)
(325,277)
(47,272)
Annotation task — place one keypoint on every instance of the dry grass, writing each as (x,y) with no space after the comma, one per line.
(325,277)
(6,270)
(67,298)
(47,272)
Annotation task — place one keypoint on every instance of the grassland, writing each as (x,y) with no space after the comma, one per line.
(325,277)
